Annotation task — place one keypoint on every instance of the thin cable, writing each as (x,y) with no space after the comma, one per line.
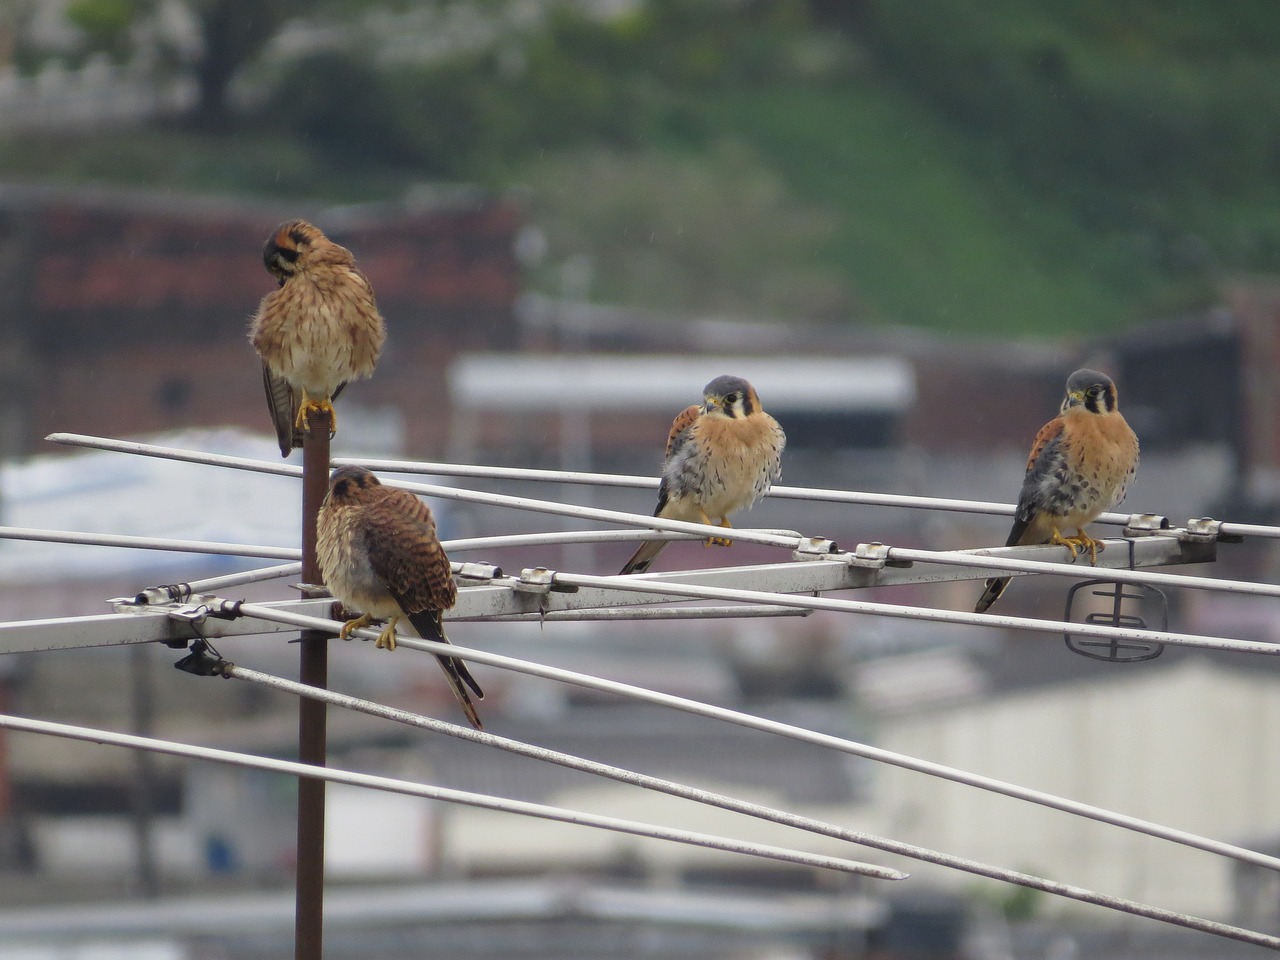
(148,543)
(623,480)
(784,539)
(211,584)
(561,476)
(740,612)
(579,536)
(722,801)
(792,732)
(650,583)
(959,558)
(483,801)
(953,558)
(440,492)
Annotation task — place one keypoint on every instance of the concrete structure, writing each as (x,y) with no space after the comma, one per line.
(1193,745)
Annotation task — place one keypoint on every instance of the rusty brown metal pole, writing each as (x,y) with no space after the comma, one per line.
(312,716)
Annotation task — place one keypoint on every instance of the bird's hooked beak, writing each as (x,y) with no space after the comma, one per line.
(1074,399)
(710,403)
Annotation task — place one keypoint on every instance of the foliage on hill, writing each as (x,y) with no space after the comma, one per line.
(1040,167)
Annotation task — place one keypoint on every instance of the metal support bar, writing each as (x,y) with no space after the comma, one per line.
(181,592)
(804,735)
(739,612)
(722,801)
(790,585)
(148,543)
(313,670)
(444,493)
(306,772)
(1224,528)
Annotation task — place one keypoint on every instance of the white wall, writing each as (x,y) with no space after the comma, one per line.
(1192,746)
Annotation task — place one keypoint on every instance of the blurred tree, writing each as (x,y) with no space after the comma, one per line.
(12,14)
(231,34)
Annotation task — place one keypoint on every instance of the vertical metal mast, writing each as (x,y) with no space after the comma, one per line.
(312,717)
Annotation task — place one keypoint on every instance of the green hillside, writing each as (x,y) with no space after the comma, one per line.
(1012,166)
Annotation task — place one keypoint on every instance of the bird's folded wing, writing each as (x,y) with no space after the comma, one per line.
(280,400)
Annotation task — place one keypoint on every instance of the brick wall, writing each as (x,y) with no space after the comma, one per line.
(122,313)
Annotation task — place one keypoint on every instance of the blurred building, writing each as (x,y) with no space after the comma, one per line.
(124,312)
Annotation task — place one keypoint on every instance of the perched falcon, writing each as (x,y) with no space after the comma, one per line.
(319,330)
(1081,465)
(379,554)
(721,457)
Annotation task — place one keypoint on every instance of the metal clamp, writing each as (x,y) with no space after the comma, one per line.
(1209,529)
(540,580)
(1145,525)
(870,556)
(816,548)
(477,571)
(205,661)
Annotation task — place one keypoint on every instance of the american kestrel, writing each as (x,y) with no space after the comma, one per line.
(722,457)
(320,329)
(378,551)
(1081,465)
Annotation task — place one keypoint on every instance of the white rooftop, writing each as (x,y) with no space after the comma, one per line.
(534,382)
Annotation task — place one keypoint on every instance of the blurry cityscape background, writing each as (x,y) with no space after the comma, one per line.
(906,223)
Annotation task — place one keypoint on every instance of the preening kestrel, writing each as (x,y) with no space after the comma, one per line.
(1081,465)
(319,330)
(379,554)
(721,457)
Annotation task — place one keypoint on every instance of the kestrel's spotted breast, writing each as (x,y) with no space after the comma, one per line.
(318,331)
(721,458)
(1081,465)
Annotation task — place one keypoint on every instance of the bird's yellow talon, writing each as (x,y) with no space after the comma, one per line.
(309,408)
(361,621)
(1087,542)
(387,638)
(1080,542)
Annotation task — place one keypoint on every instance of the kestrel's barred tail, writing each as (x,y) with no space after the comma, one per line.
(643,558)
(721,458)
(320,329)
(1081,465)
(430,626)
(995,589)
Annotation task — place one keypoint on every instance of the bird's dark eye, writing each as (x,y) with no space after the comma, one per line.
(731,398)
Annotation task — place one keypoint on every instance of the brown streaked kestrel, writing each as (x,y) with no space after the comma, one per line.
(378,551)
(722,457)
(318,331)
(1081,465)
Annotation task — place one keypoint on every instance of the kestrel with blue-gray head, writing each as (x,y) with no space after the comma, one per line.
(315,333)
(722,457)
(379,554)
(1081,465)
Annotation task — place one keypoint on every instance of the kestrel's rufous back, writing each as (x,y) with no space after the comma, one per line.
(378,551)
(1081,465)
(721,457)
(318,331)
